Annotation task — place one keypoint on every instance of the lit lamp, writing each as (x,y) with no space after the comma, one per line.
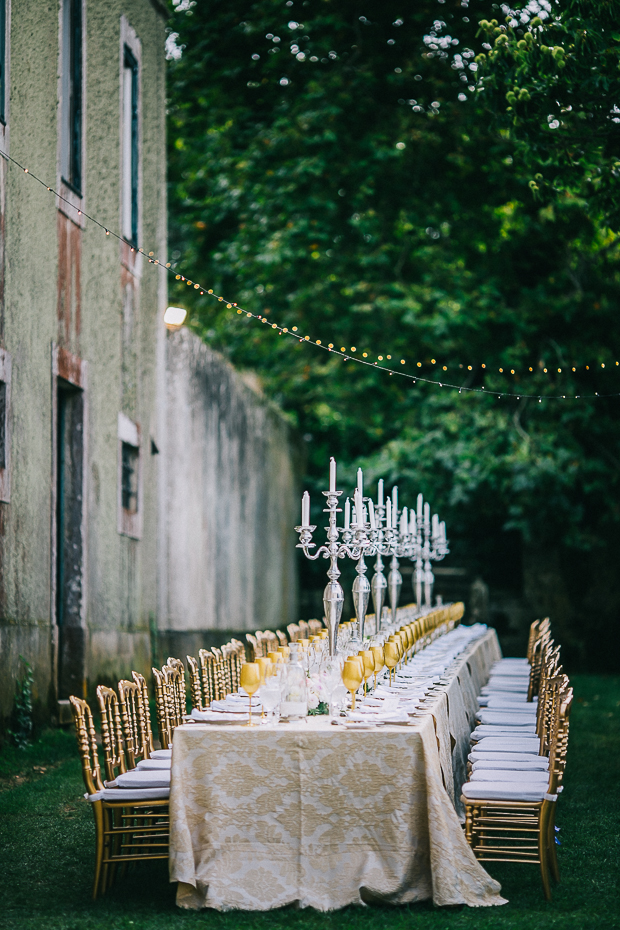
(174,317)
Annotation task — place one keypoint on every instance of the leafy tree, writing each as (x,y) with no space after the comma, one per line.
(341,173)
(553,81)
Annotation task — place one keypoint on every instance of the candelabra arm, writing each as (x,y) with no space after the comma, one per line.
(361,593)
(395,580)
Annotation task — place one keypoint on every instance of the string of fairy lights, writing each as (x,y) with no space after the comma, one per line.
(382,363)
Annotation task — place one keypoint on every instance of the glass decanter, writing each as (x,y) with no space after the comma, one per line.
(294,702)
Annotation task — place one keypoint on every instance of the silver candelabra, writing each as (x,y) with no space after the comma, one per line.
(388,532)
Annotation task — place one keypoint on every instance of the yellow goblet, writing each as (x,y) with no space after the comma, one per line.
(391,656)
(368,659)
(352,677)
(250,682)
(264,663)
(398,643)
(377,652)
(359,660)
(404,638)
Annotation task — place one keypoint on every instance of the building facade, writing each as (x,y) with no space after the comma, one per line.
(147,495)
(81,342)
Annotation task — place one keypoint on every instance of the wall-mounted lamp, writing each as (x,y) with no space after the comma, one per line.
(174,317)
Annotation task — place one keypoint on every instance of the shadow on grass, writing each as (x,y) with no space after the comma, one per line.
(47,851)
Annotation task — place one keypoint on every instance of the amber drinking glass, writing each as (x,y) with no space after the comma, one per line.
(250,682)
(391,653)
(377,652)
(352,677)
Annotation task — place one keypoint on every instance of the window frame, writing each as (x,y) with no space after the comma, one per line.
(72,76)
(129,434)
(5,75)
(5,471)
(130,58)
(71,201)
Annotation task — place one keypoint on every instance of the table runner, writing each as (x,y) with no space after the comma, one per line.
(325,817)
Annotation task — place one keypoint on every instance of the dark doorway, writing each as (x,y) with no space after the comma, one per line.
(69,541)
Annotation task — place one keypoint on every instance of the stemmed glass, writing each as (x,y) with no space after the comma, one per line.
(270,692)
(391,654)
(377,652)
(250,682)
(368,659)
(352,676)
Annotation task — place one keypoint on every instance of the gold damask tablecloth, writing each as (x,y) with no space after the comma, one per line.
(324,816)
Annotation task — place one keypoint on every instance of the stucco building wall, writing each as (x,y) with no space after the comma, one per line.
(90,589)
(66,288)
(232,500)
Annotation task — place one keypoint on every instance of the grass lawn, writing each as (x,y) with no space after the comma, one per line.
(47,851)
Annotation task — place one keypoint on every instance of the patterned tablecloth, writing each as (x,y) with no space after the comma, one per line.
(325,816)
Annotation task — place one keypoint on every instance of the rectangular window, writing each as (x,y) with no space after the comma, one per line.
(72,50)
(130,146)
(3,431)
(3,61)
(129,477)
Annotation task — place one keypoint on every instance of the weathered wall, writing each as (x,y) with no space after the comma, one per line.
(233,468)
(67,286)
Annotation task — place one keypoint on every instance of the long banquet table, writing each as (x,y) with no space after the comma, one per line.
(322,816)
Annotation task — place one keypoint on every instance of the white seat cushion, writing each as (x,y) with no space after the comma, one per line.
(523,777)
(512,661)
(480,755)
(154,764)
(524,764)
(495,718)
(161,754)
(503,791)
(502,732)
(510,744)
(127,794)
(142,779)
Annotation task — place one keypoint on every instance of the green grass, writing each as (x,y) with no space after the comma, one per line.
(47,844)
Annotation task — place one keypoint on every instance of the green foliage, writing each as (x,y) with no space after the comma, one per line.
(23,708)
(320,710)
(47,852)
(370,199)
(560,77)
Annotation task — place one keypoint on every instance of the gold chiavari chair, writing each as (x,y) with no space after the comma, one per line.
(294,632)
(237,660)
(218,668)
(133,723)
(304,630)
(111,733)
(174,676)
(228,655)
(282,638)
(515,821)
(130,824)
(207,668)
(140,681)
(315,627)
(196,691)
(256,648)
(162,708)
